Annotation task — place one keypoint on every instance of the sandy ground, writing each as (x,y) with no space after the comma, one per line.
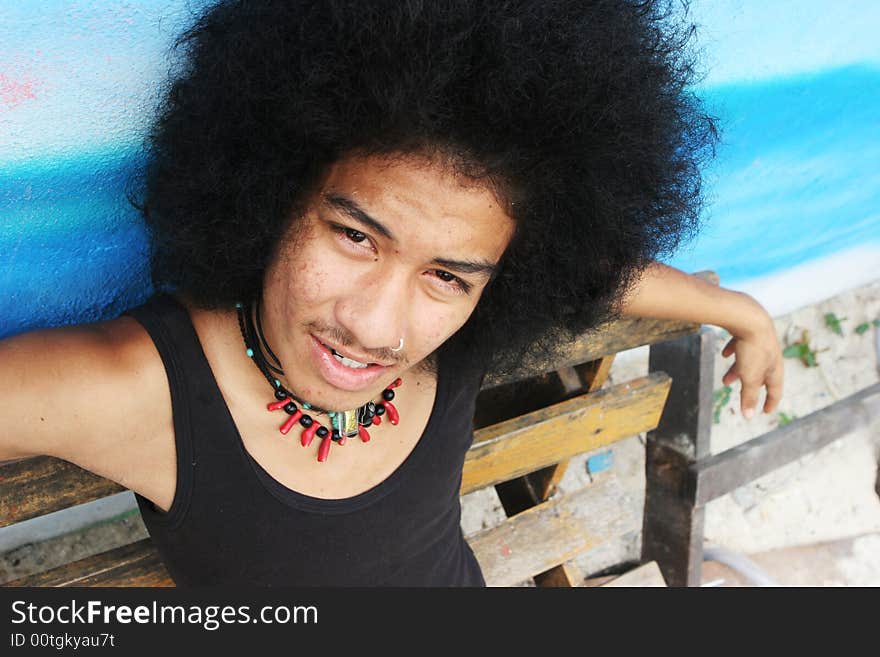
(826,498)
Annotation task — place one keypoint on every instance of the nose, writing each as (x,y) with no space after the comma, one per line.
(376,311)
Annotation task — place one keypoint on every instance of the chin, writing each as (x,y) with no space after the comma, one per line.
(333,398)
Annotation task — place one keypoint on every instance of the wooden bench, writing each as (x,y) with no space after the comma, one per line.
(526,431)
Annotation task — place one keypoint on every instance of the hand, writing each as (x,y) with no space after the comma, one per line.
(758,362)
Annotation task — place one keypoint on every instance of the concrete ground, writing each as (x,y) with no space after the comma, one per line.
(813,522)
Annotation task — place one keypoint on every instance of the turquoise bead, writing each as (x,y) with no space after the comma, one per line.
(250,353)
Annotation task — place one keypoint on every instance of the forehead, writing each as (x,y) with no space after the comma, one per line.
(420,202)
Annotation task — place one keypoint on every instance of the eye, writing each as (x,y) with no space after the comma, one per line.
(352,234)
(349,234)
(452,281)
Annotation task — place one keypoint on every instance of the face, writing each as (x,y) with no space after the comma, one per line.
(386,249)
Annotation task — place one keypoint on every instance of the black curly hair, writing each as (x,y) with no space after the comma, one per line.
(577,113)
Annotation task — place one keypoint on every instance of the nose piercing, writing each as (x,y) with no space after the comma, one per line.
(400,346)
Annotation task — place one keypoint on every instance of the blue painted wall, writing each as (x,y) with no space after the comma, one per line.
(795,84)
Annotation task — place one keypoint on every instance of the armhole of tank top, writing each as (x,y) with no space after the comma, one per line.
(157,329)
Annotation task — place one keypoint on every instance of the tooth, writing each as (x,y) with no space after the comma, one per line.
(348,362)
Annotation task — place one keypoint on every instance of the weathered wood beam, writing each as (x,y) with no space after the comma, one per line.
(135,564)
(672,531)
(646,575)
(611,338)
(589,377)
(529,442)
(34,486)
(566,575)
(525,492)
(722,473)
(555,532)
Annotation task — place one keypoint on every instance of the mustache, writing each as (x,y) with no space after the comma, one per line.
(344,338)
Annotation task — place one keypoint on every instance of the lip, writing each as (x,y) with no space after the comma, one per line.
(352,356)
(340,376)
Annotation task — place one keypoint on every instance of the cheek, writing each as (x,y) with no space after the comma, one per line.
(303,272)
(309,283)
(311,280)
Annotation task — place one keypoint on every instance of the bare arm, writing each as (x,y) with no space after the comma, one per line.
(41,403)
(84,394)
(664,292)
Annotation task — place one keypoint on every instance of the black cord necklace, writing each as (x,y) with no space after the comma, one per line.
(343,424)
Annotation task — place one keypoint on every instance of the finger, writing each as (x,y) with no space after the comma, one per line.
(774,390)
(728,348)
(749,398)
(774,396)
(730,376)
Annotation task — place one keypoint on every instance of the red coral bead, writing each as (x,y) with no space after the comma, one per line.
(274,406)
(293,419)
(324,449)
(309,433)
(377,420)
(364,434)
(393,416)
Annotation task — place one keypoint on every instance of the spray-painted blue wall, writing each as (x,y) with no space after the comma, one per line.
(794,193)
(78,84)
(796,85)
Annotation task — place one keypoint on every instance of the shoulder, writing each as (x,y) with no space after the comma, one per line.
(63,362)
(94,394)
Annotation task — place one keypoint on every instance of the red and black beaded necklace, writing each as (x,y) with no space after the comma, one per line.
(343,424)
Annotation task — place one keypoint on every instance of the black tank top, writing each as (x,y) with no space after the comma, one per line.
(233,523)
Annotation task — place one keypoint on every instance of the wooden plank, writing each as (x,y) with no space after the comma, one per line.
(687,422)
(611,338)
(135,564)
(555,532)
(38,485)
(592,376)
(564,575)
(543,482)
(512,400)
(722,473)
(672,531)
(646,575)
(524,444)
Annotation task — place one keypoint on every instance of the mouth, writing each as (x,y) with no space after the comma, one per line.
(348,362)
(345,371)
(354,361)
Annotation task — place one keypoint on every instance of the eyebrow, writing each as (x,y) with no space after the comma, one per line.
(353,210)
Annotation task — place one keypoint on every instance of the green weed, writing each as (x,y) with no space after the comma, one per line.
(832,321)
(721,398)
(802,350)
(864,326)
(784,418)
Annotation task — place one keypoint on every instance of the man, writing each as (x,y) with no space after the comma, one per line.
(356,210)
